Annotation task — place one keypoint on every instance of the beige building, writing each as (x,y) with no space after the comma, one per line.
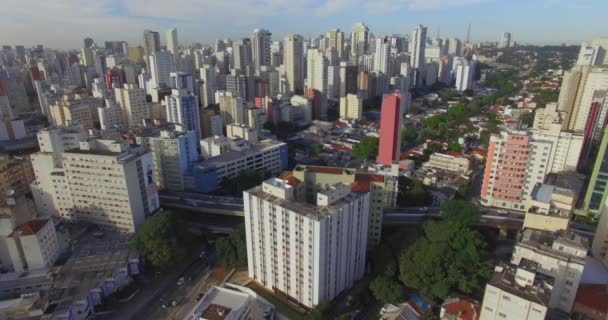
(110,184)
(232,108)
(76,109)
(16,175)
(448,162)
(293,62)
(591,79)
(351,107)
(241,131)
(550,208)
(33,245)
(549,116)
(382,189)
(132,101)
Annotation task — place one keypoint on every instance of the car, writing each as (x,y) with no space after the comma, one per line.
(203,254)
(424,209)
(502,211)
(181,281)
(176,301)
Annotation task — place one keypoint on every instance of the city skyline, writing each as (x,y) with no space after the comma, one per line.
(209,20)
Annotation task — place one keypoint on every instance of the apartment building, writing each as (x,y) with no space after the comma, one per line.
(174,152)
(110,184)
(559,255)
(310,251)
(599,248)
(351,107)
(76,109)
(265,156)
(33,245)
(382,191)
(516,292)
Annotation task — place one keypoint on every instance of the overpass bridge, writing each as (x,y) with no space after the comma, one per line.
(232,209)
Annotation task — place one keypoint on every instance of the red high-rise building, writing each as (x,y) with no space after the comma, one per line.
(390,130)
(314,96)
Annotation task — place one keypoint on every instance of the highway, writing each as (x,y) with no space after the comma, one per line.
(219,208)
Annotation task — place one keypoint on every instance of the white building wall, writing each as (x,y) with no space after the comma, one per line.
(501,305)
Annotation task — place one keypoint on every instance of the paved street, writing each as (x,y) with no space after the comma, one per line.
(147,304)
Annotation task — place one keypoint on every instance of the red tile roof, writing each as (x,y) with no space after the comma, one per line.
(593,296)
(291,180)
(31,227)
(339,147)
(463,309)
(326,170)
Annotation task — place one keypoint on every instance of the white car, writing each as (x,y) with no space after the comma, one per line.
(181,281)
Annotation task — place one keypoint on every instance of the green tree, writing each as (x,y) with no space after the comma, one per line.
(317,149)
(367,148)
(269,126)
(387,290)
(163,239)
(527,119)
(247,179)
(322,311)
(450,256)
(233,249)
(412,193)
(409,134)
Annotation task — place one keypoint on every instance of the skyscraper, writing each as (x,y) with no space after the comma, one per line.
(390,129)
(382,50)
(182,108)
(317,80)
(161,66)
(505,41)
(88,43)
(597,191)
(241,52)
(132,101)
(172,41)
(335,39)
(417,46)
(359,40)
(293,62)
(151,42)
(261,40)
(208,85)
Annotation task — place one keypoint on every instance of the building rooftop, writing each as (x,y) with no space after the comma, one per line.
(95,258)
(304,208)
(593,296)
(565,245)
(30,228)
(221,302)
(460,309)
(232,155)
(539,292)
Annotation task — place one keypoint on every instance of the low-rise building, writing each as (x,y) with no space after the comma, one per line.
(455,308)
(267,155)
(232,302)
(550,208)
(33,245)
(591,302)
(450,162)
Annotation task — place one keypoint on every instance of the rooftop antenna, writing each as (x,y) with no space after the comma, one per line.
(469,34)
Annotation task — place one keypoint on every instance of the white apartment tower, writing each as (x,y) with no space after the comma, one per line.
(359,38)
(309,250)
(317,77)
(351,107)
(172,42)
(208,85)
(505,41)
(382,54)
(293,61)
(132,101)
(335,39)
(261,40)
(232,108)
(161,66)
(417,46)
(183,109)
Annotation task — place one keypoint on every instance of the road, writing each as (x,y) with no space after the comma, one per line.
(147,303)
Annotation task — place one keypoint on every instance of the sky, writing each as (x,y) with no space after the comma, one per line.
(62,24)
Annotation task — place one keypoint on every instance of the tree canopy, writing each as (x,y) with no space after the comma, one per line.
(247,179)
(162,239)
(367,148)
(233,249)
(387,290)
(449,256)
(409,134)
(413,193)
